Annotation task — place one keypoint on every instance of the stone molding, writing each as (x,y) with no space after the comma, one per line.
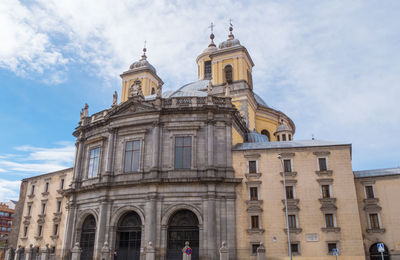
(324,173)
(330,229)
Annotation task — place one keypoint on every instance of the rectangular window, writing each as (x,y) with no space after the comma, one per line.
(369,191)
(292,221)
(94,162)
(331,246)
(252,166)
(183,152)
(287,165)
(322,164)
(207,69)
(329,220)
(46,187)
(254,222)
(40,228)
(289,192)
(277,137)
(55,231)
(132,156)
(295,248)
(59,206)
(33,189)
(253,193)
(374,220)
(284,137)
(43,208)
(25,231)
(254,248)
(325,191)
(61,184)
(29,210)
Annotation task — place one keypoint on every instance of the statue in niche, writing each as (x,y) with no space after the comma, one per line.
(136,89)
(115,99)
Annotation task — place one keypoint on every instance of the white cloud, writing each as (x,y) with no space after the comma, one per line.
(38,160)
(9,190)
(330,65)
(30,161)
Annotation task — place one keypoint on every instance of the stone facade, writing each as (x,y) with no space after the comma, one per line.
(310,232)
(377,193)
(41,214)
(157,189)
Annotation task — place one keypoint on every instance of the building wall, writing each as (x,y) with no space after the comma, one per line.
(310,217)
(50,217)
(386,191)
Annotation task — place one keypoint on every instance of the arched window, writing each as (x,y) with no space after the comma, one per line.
(376,255)
(87,237)
(228,74)
(153,91)
(266,133)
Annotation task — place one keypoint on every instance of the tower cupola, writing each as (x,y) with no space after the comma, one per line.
(284,132)
(141,73)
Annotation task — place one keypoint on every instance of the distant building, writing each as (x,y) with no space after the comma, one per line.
(6,219)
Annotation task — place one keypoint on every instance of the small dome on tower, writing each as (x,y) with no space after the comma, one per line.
(142,63)
(283,128)
(231,41)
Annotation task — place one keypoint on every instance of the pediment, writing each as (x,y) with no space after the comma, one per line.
(131,107)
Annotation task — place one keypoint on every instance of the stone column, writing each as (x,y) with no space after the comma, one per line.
(76,252)
(229,145)
(78,160)
(150,220)
(70,229)
(261,252)
(231,231)
(110,151)
(150,252)
(156,145)
(211,223)
(224,252)
(210,144)
(101,227)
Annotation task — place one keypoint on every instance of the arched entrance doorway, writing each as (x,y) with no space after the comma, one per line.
(87,238)
(183,226)
(129,235)
(375,255)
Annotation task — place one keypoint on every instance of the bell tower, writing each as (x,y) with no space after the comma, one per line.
(227,64)
(141,73)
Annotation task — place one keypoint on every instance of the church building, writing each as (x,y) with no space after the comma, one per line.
(209,163)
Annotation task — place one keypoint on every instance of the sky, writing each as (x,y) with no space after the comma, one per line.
(332,66)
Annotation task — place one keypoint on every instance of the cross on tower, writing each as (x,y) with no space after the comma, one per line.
(211,26)
(230,22)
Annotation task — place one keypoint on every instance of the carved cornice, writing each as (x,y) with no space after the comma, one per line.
(324,173)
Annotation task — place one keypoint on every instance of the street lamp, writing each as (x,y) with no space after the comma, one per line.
(286,207)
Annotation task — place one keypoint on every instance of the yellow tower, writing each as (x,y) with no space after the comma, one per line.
(229,67)
(141,73)
(227,64)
